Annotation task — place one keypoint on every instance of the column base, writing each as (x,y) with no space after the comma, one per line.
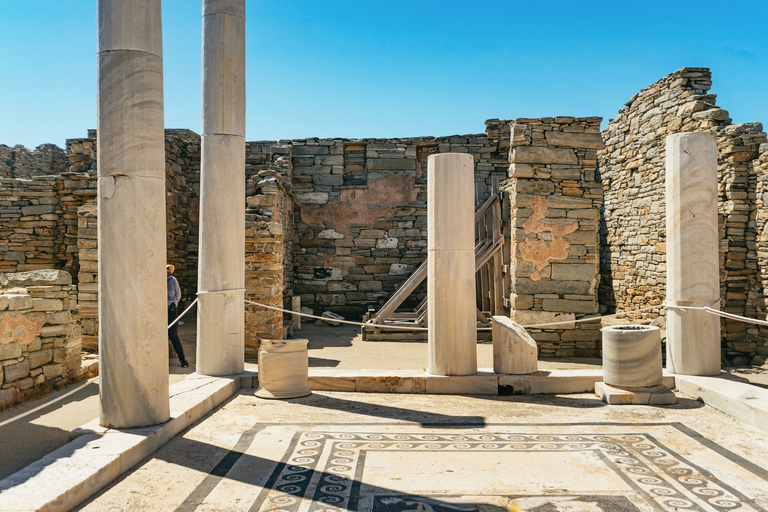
(615,395)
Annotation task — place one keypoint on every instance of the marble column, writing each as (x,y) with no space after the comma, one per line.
(220,318)
(693,270)
(133,331)
(451,264)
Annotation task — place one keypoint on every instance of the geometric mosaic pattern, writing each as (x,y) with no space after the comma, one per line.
(322,472)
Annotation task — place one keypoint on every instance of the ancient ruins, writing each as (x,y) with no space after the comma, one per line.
(526,234)
(340,223)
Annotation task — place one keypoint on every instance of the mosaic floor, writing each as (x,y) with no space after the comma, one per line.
(418,466)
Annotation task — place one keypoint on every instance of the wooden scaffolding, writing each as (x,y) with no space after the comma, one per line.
(492,276)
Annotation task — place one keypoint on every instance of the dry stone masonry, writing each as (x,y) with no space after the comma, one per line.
(268,241)
(361,212)
(341,223)
(39,335)
(555,200)
(633,239)
(20,162)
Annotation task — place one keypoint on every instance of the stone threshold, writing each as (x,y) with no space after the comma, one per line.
(96,456)
(735,397)
(484,382)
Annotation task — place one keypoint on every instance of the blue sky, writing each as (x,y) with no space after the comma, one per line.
(394,68)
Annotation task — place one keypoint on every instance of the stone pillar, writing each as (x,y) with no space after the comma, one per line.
(451,265)
(220,318)
(133,353)
(693,277)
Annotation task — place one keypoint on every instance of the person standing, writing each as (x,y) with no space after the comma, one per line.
(174,296)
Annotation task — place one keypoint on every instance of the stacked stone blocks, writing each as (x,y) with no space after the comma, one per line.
(633,238)
(556,200)
(39,336)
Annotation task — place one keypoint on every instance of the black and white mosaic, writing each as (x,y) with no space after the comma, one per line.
(323,471)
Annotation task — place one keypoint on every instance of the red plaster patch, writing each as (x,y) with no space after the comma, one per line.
(363,207)
(540,252)
(17,328)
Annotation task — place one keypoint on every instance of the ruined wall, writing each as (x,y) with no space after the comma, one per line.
(20,162)
(360,214)
(555,202)
(182,206)
(38,227)
(182,165)
(740,283)
(633,228)
(268,241)
(87,277)
(756,333)
(39,336)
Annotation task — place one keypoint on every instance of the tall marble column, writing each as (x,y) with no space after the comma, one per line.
(451,314)
(693,270)
(133,346)
(220,319)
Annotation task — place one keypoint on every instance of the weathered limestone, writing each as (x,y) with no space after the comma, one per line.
(693,335)
(451,265)
(514,351)
(131,225)
(220,328)
(283,369)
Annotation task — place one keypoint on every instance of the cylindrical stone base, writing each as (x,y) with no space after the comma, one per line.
(693,267)
(451,316)
(283,369)
(632,356)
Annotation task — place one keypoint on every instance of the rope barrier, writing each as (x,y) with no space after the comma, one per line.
(708,309)
(325,319)
(181,315)
(233,290)
(699,308)
(385,326)
(733,316)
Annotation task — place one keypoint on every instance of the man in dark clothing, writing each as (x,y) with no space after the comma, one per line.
(174,296)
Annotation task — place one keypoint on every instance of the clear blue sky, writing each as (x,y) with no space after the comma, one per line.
(393,68)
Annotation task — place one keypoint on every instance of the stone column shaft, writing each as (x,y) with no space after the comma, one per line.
(133,346)
(220,319)
(451,265)
(693,270)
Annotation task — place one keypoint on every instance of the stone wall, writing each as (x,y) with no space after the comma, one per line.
(633,228)
(555,202)
(38,221)
(20,162)
(268,241)
(182,184)
(182,165)
(87,277)
(740,286)
(360,214)
(760,333)
(39,336)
